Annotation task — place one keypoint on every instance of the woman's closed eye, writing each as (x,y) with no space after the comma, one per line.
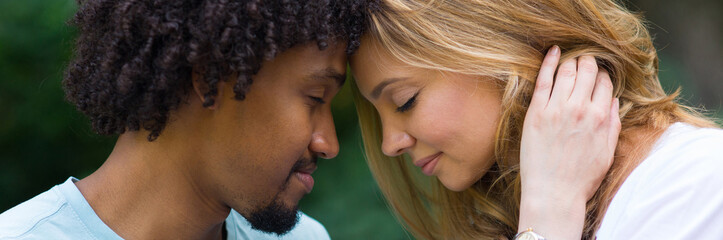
(409,104)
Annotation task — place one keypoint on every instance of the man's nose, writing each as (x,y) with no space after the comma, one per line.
(324,142)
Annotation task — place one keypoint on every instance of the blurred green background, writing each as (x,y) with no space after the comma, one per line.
(43,140)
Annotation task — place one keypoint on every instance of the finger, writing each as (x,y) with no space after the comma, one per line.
(603,93)
(615,126)
(564,81)
(585,79)
(543,84)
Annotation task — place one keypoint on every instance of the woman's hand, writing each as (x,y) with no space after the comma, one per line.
(568,142)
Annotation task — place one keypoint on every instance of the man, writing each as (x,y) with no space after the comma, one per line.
(221,107)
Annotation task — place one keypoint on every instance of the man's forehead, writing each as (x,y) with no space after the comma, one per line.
(328,74)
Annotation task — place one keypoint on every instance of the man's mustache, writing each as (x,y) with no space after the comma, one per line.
(304,163)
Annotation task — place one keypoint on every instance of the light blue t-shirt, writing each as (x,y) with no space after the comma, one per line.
(63,213)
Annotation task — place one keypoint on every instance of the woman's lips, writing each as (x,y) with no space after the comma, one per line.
(428,163)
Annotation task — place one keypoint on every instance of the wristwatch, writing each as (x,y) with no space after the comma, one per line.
(528,235)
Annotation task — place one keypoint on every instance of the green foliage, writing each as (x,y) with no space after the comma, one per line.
(44,140)
(673,76)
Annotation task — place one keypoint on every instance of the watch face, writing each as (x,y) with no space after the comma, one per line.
(527,236)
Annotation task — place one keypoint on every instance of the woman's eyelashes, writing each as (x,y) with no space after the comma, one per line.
(409,104)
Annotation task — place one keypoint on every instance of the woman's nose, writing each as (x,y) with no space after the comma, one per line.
(396,142)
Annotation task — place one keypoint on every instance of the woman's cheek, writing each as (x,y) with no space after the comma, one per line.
(436,124)
(444,113)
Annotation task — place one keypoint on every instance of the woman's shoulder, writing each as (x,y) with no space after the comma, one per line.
(675,192)
(684,155)
(682,135)
(685,147)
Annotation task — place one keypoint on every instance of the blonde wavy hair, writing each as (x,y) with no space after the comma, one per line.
(506,40)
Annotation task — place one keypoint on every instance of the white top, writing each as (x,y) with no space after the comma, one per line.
(675,193)
(63,213)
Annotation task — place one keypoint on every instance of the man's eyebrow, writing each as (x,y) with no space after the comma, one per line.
(329,73)
(378,89)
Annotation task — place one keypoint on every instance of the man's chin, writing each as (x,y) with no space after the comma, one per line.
(274,218)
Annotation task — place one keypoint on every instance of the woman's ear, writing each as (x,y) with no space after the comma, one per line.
(200,88)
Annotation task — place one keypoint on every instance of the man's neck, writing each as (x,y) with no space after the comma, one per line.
(146,191)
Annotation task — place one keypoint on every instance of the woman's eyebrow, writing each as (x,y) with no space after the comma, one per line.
(378,89)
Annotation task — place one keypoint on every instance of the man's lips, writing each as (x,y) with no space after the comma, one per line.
(304,175)
(428,163)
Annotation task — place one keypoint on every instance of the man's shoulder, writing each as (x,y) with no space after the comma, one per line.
(31,214)
(53,215)
(309,227)
(306,228)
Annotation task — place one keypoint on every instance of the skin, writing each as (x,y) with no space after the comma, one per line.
(569,134)
(463,110)
(234,154)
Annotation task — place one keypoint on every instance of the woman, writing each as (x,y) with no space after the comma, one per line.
(491,168)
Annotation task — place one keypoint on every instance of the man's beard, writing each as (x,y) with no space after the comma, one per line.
(277,217)
(274,218)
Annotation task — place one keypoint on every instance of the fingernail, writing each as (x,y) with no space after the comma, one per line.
(555,50)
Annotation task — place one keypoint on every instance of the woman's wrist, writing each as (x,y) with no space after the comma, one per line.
(553,216)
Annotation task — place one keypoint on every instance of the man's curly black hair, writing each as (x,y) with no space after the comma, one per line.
(134,58)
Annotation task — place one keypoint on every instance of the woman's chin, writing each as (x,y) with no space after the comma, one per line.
(456,184)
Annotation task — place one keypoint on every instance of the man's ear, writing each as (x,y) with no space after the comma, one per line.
(200,88)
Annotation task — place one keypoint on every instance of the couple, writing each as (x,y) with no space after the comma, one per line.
(514,108)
